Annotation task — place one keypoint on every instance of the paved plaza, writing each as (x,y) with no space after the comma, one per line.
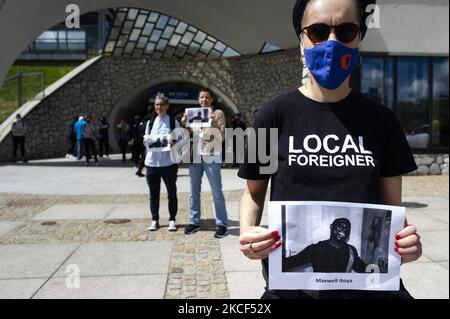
(72,231)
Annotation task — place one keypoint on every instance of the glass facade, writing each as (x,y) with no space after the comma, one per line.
(416,88)
(139,33)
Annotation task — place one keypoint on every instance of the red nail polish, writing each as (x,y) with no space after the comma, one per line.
(396,244)
(275,233)
(396,249)
(277,245)
(398,237)
(277,238)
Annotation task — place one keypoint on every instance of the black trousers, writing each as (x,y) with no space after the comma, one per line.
(123,143)
(18,141)
(89,146)
(169,176)
(72,141)
(138,153)
(103,143)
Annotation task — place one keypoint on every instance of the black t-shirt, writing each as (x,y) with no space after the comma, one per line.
(331,151)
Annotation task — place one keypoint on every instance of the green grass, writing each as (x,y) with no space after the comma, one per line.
(9,101)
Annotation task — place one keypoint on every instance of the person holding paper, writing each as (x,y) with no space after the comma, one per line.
(159,164)
(211,164)
(334,144)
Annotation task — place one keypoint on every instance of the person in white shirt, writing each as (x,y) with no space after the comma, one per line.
(158,162)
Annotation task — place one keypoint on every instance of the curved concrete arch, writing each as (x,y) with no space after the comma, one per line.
(272,24)
(124,101)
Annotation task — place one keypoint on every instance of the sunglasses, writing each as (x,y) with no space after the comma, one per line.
(320,32)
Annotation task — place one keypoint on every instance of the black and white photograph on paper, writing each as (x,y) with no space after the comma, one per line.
(331,246)
(157,143)
(198,117)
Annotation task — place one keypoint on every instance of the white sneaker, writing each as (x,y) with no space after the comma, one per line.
(172,226)
(154,226)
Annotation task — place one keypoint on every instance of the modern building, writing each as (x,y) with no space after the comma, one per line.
(246,56)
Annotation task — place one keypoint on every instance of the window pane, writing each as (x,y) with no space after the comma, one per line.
(132,14)
(187,38)
(162,22)
(412,97)
(140,21)
(155,36)
(181,27)
(200,37)
(440,102)
(175,40)
(168,32)
(127,27)
(120,18)
(148,29)
(162,45)
(153,17)
(135,34)
(142,42)
(377,80)
(114,33)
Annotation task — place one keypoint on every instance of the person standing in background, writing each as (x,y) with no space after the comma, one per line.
(204,148)
(123,129)
(18,131)
(90,133)
(103,137)
(79,131)
(71,137)
(160,165)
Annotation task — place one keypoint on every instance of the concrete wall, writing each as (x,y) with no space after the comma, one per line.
(243,83)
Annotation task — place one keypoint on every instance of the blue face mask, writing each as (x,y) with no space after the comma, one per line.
(331,63)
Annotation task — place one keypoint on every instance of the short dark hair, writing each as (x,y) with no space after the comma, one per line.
(300,7)
(207,91)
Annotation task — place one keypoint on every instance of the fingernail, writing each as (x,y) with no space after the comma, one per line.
(398,237)
(396,244)
(275,233)
(277,245)
(396,249)
(277,238)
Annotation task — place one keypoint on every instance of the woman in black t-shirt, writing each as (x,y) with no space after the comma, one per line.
(363,152)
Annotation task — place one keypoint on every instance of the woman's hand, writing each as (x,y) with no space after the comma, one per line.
(183,119)
(408,244)
(258,242)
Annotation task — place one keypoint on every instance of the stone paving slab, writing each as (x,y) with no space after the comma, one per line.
(424,221)
(132,258)
(435,245)
(245,284)
(107,287)
(441,215)
(426,280)
(433,203)
(19,288)
(7,226)
(75,212)
(136,211)
(32,261)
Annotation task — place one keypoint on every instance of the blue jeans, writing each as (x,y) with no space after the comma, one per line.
(80,147)
(215,181)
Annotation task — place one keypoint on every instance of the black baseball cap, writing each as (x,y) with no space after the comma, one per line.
(300,6)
